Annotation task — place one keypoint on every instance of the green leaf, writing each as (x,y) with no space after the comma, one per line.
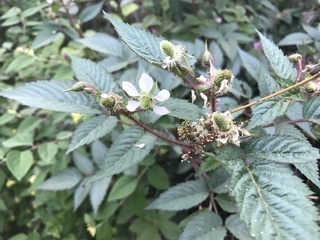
(90,130)
(204,226)
(129,8)
(279,63)
(169,229)
(309,169)
(182,196)
(182,109)
(48,95)
(128,149)
(311,109)
(273,202)
(93,74)
(98,191)
(158,177)
(103,43)
(283,149)
(20,63)
(19,140)
(266,112)
(266,83)
(143,43)
(226,202)
(238,228)
(250,63)
(84,164)
(45,37)
(80,194)
(33,10)
(90,12)
(19,163)
(6,117)
(14,11)
(66,179)
(297,38)
(47,152)
(123,187)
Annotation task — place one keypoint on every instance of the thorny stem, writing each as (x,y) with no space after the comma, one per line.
(157,134)
(66,8)
(277,93)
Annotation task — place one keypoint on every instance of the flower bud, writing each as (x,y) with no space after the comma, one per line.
(295,57)
(78,87)
(88,90)
(145,102)
(311,87)
(222,122)
(222,75)
(108,102)
(167,48)
(206,57)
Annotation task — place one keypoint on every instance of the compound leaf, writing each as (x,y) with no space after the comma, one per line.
(48,95)
(182,196)
(204,226)
(279,63)
(93,74)
(91,130)
(129,148)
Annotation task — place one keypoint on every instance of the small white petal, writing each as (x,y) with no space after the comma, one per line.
(132,105)
(193,96)
(160,110)
(162,95)
(146,83)
(104,95)
(140,145)
(205,98)
(201,79)
(130,89)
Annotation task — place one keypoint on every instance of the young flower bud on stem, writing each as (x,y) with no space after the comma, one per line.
(78,87)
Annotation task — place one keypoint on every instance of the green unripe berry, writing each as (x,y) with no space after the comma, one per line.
(145,102)
(108,102)
(167,48)
(311,87)
(222,122)
(222,75)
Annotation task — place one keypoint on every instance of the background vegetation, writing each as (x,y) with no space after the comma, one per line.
(36,39)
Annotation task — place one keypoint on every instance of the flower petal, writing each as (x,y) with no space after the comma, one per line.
(205,98)
(162,95)
(132,105)
(146,83)
(193,96)
(160,110)
(130,89)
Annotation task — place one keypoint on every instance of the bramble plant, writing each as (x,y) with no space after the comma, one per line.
(235,163)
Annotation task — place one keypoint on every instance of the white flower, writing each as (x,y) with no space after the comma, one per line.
(173,54)
(145,98)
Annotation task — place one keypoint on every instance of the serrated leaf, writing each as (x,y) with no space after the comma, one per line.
(279,63)
(48,95)
(143,43)
(98,152)
(90,130)
(182,196)
(125,152)
(98,191)
(266,83)
(83,163)
(238,228)
(103,43)
(19,163)
(250,63)
(182,109)
(309,169)
(90,12)
(266,112)
(204,226)
(79,195)
(123,187)
(64,180)
(297,38)
(283,149)
(93,74)
(273,202)
(311,109)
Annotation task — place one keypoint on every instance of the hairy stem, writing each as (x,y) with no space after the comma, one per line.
(277,93)
(66,8)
